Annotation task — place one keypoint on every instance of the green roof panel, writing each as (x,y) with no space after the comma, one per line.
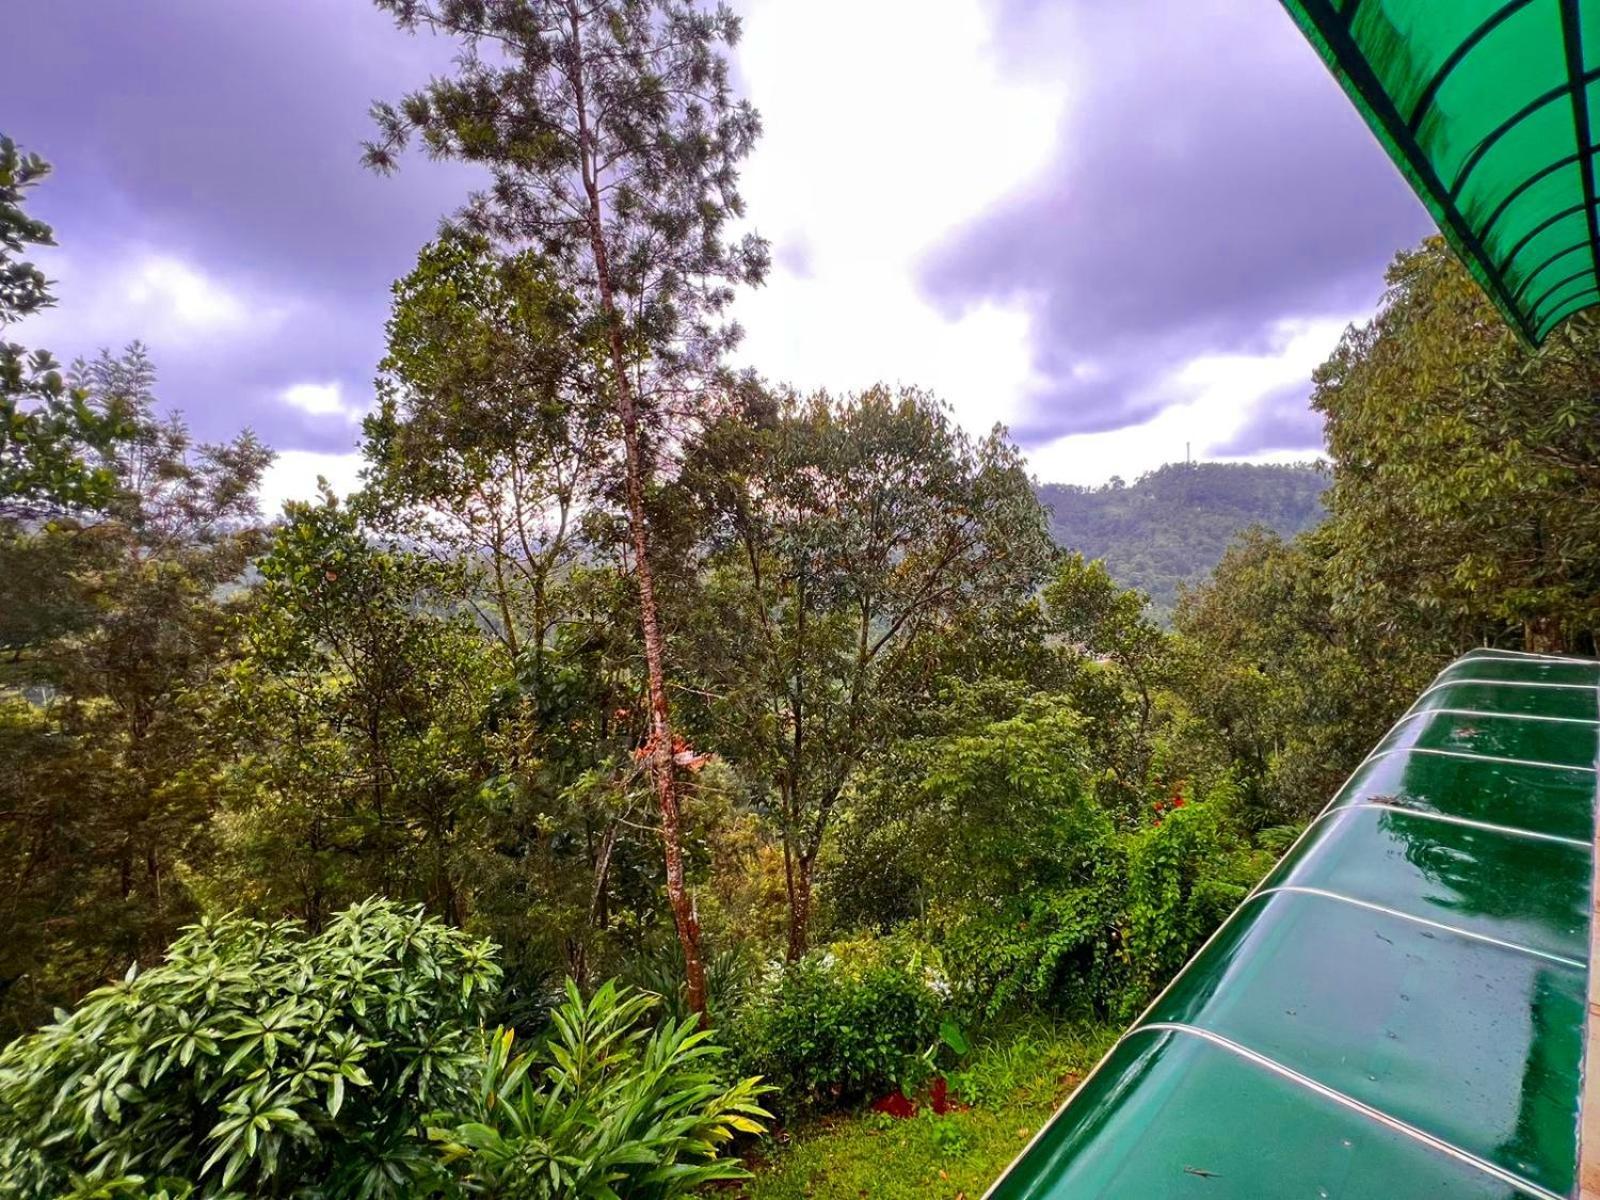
(1528,891)
(1260,1130)
(1398,1009)
(1551,802)
(1489,109)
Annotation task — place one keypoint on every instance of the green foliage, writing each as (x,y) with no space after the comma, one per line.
(257,1058)
(993,835)
(1187,871)
(1052,951)
(1006,1060)
(848,1021)
(1464,489)
(1295,690)
(1037,893)
(626,100)
(1171,526)
(731,974)
(120,634)
(52,434)
(606,1107)
(356,711)
(614,139)
(23,287)
(853,542)
(491,435)
(1116,661)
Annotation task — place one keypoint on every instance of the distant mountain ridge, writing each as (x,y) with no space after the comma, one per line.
(1171,525)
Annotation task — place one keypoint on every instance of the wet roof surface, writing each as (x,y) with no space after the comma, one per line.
(1398,1009)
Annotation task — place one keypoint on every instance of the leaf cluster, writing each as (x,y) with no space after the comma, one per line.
(258,1059)
(608,1106)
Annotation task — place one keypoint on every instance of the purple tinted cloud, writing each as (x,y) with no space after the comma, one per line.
(1210,181)
(1280,420)
(228,136)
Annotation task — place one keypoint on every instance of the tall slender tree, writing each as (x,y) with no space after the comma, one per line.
(613,140)
(854,543)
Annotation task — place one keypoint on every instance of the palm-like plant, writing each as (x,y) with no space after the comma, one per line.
(607,1107)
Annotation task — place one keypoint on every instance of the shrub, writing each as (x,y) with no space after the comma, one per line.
(1042,949)
(1102,944)
(658,970)
(1186,872)
(257,1059)
(605,1108)
(842,1023)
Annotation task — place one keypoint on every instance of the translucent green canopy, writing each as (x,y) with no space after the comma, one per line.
(1490,108)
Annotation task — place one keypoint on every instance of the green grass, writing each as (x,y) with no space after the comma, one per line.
(1015,1081)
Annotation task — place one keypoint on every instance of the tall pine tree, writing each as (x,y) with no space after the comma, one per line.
(613,140)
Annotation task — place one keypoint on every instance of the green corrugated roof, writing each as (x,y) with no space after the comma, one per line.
(1399,1009)
(1491,108)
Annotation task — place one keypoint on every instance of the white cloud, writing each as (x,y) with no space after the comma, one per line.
(138,291)
(318,400)
(293,476)
(875,147)
(182,294)
(1212,398)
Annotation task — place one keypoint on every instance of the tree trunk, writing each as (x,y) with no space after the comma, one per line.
(662,766)
(798,878)
(1544,635)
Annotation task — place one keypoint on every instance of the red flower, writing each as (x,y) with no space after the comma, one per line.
(896,1104)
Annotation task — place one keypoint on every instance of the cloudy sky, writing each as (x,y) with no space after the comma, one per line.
(1119,226)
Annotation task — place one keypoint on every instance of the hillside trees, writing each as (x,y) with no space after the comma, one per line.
(1295,689)
(355,712)
(492,433)
(613,140)
(849,536)
(1116,662)
(107,777)
(493,453)
(1169,527)
(1465,476)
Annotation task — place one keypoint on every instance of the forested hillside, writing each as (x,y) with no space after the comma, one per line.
(1171,526)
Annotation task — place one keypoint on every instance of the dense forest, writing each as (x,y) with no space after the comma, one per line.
(1170,527)
(650,756)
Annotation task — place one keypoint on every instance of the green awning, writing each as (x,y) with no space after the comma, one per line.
(1490,108)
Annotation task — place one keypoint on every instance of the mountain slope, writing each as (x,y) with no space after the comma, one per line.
(1172,525)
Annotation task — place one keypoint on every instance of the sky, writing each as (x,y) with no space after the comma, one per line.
(1127,229)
